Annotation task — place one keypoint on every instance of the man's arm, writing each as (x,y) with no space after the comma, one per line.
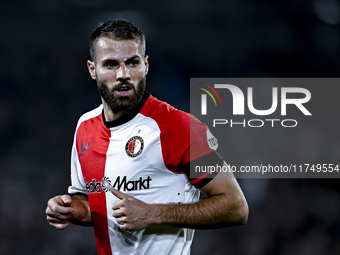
(224,206)
(65,208)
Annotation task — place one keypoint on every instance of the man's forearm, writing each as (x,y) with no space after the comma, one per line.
(216,211)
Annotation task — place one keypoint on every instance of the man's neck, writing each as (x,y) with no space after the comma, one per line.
(110,115)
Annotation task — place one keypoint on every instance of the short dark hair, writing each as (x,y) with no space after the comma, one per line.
(118,29)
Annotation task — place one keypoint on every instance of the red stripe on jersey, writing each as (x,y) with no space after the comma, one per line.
(92,144)
(200,178)
(180,143)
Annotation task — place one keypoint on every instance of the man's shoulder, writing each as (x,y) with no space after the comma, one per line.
(161,110)
(170,118)
(91,114)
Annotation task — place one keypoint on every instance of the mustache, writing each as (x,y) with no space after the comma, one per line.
(122,83)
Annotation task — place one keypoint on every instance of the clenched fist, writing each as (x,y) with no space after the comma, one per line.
(59,211)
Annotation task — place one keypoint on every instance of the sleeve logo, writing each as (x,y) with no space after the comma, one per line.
(212,140)
(134,146)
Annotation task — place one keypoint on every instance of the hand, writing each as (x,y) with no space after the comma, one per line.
(131,213)
(59,212)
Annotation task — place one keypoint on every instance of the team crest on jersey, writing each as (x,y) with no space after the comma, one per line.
(134,146)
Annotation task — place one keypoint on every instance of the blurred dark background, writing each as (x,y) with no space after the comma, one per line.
(45,87)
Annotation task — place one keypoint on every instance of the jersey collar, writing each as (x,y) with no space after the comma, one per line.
(129,116)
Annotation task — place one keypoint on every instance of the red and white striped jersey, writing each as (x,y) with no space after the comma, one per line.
(141,154)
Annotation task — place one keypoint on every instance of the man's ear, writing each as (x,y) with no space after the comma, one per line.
(92,69)
(146,62)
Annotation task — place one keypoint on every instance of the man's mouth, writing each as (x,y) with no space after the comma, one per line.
(124,90)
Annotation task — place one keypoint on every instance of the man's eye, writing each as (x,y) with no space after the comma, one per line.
(110,64)
(134,63)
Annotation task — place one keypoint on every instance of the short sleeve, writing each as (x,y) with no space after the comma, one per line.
(77,180)
(201,155)
(202,141)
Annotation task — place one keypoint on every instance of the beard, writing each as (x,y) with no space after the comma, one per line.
(122,103)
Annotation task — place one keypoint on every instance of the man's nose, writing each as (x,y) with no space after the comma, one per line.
(123,72)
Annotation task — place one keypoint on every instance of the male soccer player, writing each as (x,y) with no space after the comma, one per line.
(130,161)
